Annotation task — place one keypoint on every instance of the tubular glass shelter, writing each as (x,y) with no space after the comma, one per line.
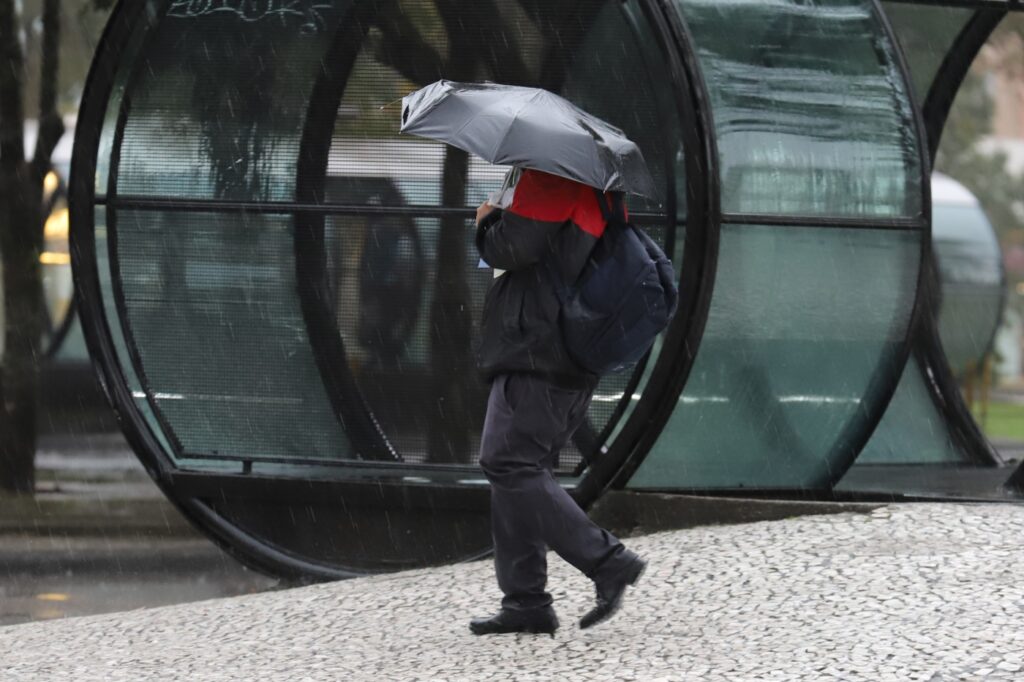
(281,292)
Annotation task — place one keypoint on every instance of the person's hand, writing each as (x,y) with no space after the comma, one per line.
(483,211)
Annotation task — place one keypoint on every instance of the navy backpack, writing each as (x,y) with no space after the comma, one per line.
(625,296)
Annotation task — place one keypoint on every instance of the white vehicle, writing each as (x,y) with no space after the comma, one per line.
(970,270)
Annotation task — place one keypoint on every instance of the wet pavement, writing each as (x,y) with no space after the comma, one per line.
(99,537)
(44,578)
(902,592)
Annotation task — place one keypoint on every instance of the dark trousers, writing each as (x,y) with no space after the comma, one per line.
(528,421)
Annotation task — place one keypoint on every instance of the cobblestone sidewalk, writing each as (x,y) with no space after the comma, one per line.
(914,592)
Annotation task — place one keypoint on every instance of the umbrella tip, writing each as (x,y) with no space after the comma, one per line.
(391,103)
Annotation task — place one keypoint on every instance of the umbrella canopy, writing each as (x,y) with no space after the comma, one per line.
(531,128)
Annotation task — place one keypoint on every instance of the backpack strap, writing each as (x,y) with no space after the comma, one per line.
(615,214)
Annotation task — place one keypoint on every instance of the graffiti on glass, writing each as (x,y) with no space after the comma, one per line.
(311,14)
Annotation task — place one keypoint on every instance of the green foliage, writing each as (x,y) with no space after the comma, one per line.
(1001,420)
(970,119)
(986,175)
(1008,40)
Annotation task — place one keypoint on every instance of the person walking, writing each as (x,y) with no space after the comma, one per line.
(538,398)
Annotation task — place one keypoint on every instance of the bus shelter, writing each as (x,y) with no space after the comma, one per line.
(281,294)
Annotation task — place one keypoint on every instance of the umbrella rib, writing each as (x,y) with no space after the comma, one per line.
(508,130)
(501,140)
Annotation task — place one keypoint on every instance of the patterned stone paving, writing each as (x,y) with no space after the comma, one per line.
(912,592)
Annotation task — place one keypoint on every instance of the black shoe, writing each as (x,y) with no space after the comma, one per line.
(538,621)
(609,594)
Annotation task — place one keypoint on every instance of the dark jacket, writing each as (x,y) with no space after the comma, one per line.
(554,220)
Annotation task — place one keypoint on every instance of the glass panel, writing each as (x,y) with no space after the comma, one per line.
(970,267)
(220,96)
(603,47)
(211,303)
(912,431)
(424,269)
(116,331)
(796,333)
(925,34)
(219,104)
(72,347)
(809,106)
(382,270)
(111,116)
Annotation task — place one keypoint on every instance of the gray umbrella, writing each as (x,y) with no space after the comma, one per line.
(528,127)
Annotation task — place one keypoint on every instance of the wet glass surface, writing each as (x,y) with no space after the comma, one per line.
(925,34)
(221,106)
(968,310)
(218,112)
(795,334)
(913,431)
(809,108)
(219,331)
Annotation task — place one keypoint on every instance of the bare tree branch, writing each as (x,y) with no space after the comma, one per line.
(51,127)
(12,78)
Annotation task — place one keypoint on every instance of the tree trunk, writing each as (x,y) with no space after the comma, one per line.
(21,240)
(23,302)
